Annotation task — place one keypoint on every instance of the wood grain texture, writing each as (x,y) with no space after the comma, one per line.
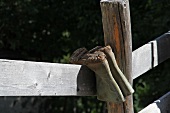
(117,34)
(24,78)
(159,106)
(150,55)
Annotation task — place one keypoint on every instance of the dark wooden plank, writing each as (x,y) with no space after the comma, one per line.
(159,106)
(150,55)
(117,34)
(163,44)
(25,78)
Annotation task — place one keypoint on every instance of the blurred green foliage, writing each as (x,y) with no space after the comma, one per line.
(50,30)
(47,30)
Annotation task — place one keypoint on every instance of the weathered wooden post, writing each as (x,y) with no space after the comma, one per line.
(117,34)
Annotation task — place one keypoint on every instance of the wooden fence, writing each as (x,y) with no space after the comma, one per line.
(25,78)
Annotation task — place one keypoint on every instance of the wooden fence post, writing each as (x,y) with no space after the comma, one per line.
(117,34)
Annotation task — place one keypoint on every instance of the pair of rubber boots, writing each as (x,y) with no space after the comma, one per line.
(112,85)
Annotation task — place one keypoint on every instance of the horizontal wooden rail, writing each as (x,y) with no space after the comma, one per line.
(150,55)
(24,78)
(159,106)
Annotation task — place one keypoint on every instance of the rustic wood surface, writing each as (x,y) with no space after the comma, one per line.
(117,34)
(24,78)
(150,55)
(159,106)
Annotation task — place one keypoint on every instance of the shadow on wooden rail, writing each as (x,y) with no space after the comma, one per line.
(150,55)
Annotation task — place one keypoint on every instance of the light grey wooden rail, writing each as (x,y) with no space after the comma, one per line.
(25,78)
(150,55)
